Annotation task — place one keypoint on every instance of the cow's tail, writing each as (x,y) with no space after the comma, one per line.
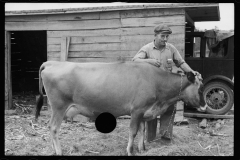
(40,98)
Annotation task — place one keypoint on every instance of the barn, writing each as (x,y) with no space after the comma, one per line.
(95,34)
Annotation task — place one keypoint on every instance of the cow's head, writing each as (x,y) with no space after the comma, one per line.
(193,94)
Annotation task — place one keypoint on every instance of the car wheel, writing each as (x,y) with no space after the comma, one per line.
(219,98)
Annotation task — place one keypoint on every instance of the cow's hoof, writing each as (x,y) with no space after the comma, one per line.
(141,151)
(130,154)
(130,151)
(141,148)
(166,139)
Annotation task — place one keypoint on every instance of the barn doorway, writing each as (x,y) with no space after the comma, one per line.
(28,52)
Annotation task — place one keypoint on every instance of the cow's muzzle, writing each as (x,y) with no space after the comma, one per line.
(202,108)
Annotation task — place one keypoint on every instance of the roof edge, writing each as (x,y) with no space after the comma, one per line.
(109,8)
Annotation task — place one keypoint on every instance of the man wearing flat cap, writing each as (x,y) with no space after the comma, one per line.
(161,54)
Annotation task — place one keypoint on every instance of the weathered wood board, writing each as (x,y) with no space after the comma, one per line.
(106,47)
(96,15)
(8,78)
(114,39)
(94,54)
(96,24)
(176,29)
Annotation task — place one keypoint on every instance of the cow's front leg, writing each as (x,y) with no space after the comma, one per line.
(134,124)
(141,146)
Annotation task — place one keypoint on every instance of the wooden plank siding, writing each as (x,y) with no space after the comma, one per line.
(179,38)
(96,24)
(110,35)
(105,46)
(94,54)
(93,59)
(126,46)
(114,32)
(96,15)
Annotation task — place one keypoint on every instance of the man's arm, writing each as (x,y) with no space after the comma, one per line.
(186,68)
(141,56)
(150,61)
(177,59)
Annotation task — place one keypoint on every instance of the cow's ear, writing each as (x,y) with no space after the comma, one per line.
(190,77)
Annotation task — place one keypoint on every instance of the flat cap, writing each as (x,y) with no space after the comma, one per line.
(162,29)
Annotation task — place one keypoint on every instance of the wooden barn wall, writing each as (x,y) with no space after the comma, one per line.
(103,36)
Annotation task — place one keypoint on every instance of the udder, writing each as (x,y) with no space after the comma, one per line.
(78,109)
(151,113)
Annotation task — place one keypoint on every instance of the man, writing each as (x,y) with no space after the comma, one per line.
(161,54)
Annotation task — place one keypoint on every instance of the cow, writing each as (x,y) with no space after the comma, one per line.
(138,89)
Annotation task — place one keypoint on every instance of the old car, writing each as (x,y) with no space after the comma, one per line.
(212,54)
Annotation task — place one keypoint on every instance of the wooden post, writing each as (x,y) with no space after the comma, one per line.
(189,20)
(6,72)
(65,41)
(179,111)
(151,129)
(8,78)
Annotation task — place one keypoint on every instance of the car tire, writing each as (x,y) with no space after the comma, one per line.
(219,98)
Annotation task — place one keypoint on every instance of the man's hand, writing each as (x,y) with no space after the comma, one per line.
(196,73)
(154,62)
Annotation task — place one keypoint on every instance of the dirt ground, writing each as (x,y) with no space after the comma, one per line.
(23,136)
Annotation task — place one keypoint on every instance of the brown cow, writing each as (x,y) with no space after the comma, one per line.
(122,88)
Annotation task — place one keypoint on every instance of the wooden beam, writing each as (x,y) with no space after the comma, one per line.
(96,15)
(109,46)
(194,115)
(151,12)
(96,24)
(106,59)
(8,70)
(200,115)
(63,25)
(189,20)
(96,54)
(64,48)
(177,38)
(151,129)
(68,43)
(113,32)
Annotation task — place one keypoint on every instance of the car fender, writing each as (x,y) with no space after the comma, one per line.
(228,81)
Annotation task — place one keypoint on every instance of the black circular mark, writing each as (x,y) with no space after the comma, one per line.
(105,122)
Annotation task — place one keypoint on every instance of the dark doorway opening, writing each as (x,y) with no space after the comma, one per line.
(28,52)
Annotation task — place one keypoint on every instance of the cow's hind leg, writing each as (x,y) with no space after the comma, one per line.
(54,126)
(141,146)
(134,124)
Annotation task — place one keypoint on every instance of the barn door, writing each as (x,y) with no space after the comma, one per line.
(8,79)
